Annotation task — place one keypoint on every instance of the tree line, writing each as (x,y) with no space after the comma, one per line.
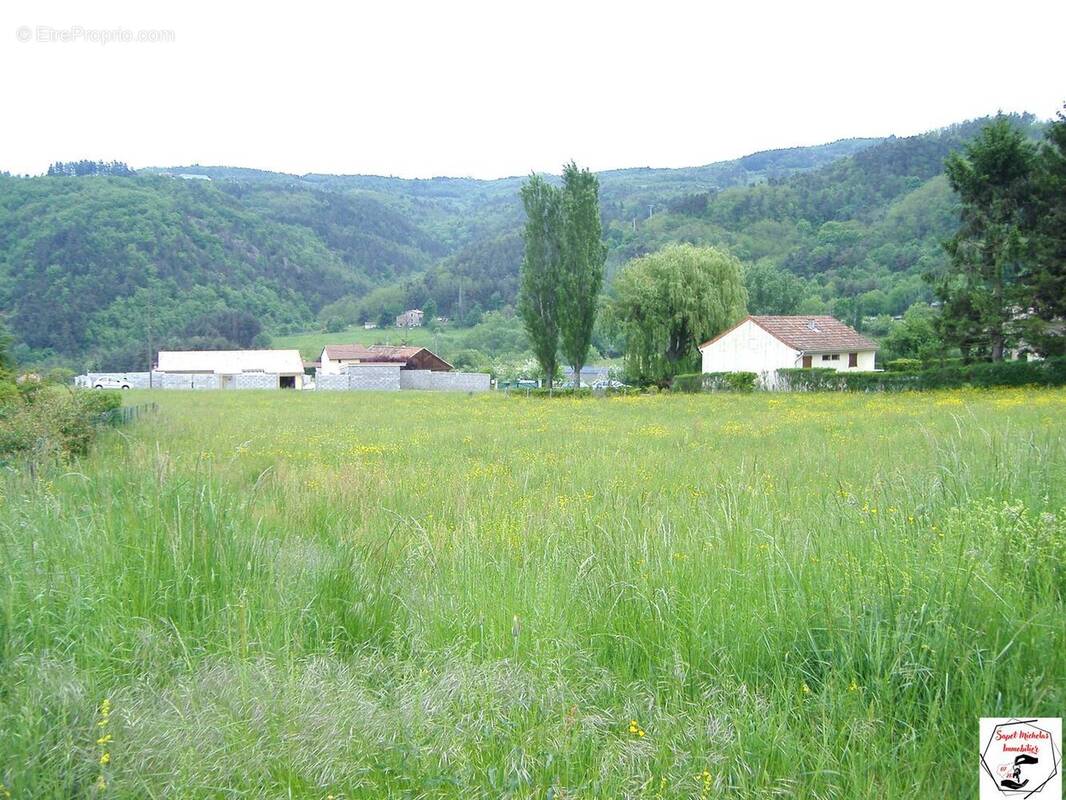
(85,167)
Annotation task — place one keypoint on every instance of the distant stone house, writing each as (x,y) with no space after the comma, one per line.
(409,319)
(764,344)
(231,369)
(336,358)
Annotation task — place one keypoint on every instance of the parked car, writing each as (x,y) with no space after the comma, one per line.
(612,384)
(111,383)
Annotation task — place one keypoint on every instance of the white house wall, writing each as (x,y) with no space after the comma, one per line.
(866,362)
(328,366)
(749,348)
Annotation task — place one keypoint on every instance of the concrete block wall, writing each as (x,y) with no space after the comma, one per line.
(331,383)
(354,378)
(184,380)
(417,379)
(375,379)
(170,380)
(426,380)
(136,380)
(462,381)
(255,380)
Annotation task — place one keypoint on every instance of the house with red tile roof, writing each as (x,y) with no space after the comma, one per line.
(763,344)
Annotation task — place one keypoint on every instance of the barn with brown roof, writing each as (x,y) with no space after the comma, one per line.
(336,358)
(763,344)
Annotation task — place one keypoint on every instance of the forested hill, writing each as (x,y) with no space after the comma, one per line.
(860,232)
(98,268)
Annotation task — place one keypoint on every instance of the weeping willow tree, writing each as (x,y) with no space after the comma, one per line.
(670,301)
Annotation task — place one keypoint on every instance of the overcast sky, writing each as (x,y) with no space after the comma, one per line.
(501,88)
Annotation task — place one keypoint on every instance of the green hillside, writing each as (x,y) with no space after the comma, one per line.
(100,269)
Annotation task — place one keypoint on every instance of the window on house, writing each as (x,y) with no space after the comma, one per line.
(853,359)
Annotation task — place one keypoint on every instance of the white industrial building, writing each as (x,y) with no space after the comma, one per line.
(232,369)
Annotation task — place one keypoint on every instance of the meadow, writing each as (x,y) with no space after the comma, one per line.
(415,595)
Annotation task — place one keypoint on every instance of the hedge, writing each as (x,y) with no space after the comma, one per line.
(714,382)
(904,365)
(1051,372)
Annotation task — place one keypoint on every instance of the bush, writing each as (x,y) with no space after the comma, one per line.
(9,393)
(689,382)
(53,424)
(904,365)
(96,402)
(62,376)
(714,382)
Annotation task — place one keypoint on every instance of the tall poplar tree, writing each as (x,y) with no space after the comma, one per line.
(581,270)
(538,291)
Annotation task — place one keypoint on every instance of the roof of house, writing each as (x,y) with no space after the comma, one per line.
(376,352)
(231,362)
(808,334)
(379,353)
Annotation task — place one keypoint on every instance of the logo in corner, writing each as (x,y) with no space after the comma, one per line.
(1021,757)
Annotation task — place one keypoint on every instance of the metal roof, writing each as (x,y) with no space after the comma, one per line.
(232,362)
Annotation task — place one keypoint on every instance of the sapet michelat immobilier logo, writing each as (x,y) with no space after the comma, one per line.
(1021,757)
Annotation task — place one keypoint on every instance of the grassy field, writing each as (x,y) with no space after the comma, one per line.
(413,595)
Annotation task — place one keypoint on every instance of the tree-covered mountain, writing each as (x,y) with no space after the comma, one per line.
(861,231)
(103,266)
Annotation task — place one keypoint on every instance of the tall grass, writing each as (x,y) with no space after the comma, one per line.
(419,595)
